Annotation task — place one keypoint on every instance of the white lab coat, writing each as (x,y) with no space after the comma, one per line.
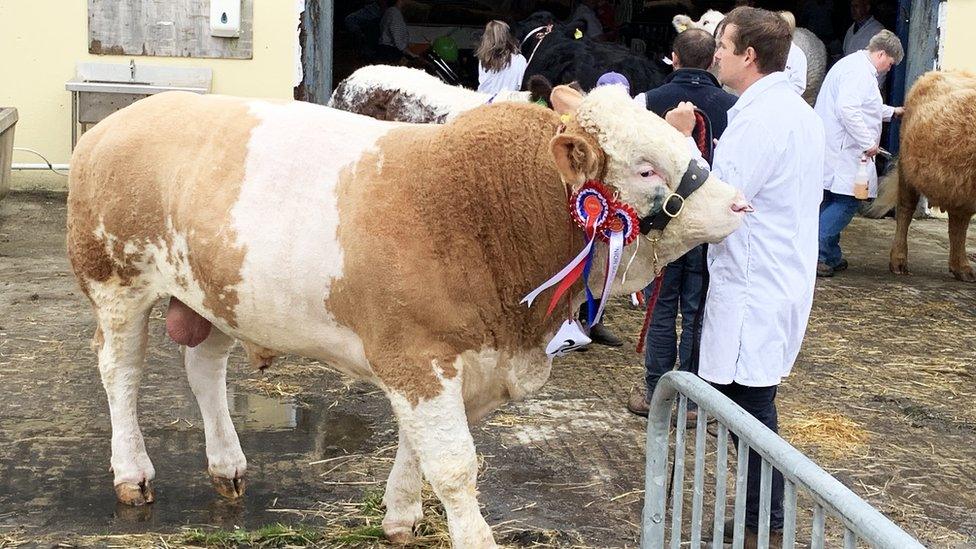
(854,41)
(850,106)
(507,79)
(796,68)
(762,275)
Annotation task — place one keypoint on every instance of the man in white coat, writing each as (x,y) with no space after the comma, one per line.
(852,111)
(762,275)
(862,29)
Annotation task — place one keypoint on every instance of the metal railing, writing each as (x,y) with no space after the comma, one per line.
(859,519)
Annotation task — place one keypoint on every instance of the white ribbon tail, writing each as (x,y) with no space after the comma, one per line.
(560,275)
(613,261)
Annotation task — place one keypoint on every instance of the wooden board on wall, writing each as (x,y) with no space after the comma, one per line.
(164,28)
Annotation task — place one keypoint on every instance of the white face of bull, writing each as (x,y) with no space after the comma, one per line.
(645,160)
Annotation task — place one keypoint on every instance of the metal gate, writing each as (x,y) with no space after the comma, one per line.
(859,519)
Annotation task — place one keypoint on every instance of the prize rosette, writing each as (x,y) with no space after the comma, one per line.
(590,206)
(623,219)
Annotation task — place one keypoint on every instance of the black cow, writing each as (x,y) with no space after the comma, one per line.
(561,58)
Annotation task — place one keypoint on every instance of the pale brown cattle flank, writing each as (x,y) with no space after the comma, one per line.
(938,147)
(394,254)
(135,196)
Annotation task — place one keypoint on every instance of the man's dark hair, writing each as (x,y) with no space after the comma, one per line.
(695,49)
(764,31)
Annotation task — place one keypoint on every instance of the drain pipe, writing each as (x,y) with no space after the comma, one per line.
(38,166)
(60,169)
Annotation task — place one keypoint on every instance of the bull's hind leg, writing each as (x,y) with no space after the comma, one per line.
(958,262)
(437,431)
(206,369)
(123,319)
(907,200)
(402,496)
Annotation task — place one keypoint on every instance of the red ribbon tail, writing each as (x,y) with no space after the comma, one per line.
(564,285)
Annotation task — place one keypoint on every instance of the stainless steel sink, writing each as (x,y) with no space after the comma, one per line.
(99,89)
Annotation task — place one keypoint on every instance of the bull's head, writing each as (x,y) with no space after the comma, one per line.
(644,160)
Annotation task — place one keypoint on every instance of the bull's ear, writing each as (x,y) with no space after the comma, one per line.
(576,159)
(565,100)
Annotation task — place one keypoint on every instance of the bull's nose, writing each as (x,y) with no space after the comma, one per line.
(740,204)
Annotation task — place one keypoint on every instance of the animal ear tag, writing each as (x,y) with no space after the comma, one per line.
(570,337)
(578,34)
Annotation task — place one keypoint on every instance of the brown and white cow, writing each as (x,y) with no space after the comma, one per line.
(403,94)
(396,253)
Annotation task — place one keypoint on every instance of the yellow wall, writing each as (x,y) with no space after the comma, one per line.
(41,40)
(960,41)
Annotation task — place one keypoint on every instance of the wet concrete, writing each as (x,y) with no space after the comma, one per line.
(569,459)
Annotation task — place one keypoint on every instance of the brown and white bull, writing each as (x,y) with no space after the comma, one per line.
(396,253)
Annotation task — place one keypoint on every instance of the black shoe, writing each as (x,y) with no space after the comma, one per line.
(841,266)
(824,270)
(602,336)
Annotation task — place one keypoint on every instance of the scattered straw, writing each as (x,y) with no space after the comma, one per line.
(832,434)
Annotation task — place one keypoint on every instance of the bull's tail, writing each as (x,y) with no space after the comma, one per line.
(887,194)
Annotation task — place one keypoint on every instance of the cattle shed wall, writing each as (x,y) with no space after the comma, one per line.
(960,40)
(42,40)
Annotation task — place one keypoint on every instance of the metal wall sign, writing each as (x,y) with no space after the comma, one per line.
(164,28)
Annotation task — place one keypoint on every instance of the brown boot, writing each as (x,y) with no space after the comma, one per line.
(637,403)
(752,538)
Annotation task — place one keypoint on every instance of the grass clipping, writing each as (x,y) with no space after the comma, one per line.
(832,435)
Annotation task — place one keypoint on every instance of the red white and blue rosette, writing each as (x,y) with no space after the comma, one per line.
(602,217)
(623,219)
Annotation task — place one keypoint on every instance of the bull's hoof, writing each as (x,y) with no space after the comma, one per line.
(966,274)
(230,488)
(130,493)
(899,267)
(399,534)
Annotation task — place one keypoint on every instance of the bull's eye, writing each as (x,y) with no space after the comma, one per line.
(647,173)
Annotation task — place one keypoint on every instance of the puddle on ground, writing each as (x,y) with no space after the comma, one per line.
(56,480)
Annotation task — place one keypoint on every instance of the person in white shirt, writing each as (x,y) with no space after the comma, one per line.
(500,65)
(864,27)
(762,275)
(852,111)
(796,60)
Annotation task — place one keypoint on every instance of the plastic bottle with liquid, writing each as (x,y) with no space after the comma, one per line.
(861,179)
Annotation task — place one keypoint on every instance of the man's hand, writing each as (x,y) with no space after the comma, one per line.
(898,112)
(872,152)
(682,117)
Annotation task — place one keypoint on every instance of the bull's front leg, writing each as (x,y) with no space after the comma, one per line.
(958,262)
(437,431)
(206,370)
(402,497)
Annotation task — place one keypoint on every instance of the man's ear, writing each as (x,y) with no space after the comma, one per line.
(576,159)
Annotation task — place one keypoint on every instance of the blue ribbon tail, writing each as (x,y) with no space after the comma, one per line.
(590,304)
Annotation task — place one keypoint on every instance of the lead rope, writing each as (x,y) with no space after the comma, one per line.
(650,312)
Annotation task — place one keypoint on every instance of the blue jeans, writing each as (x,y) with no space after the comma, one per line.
(836,212)
(680,289)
